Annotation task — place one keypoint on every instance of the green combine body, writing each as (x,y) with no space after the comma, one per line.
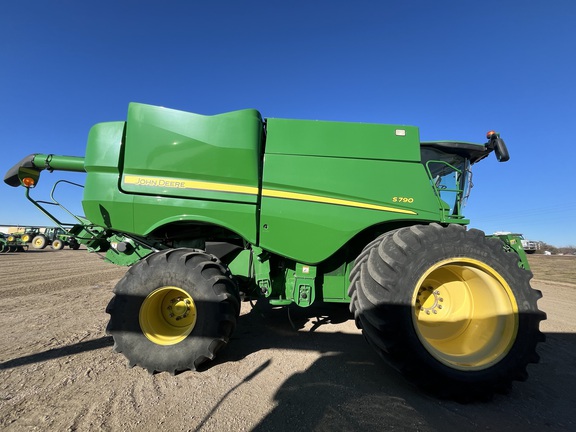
(211,209)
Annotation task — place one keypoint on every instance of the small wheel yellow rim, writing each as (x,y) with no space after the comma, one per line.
(167,315)
(465,314)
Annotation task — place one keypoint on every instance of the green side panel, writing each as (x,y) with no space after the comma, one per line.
(335,284)
(160,199)
(181,154)
(241,265)
(325,182)
(341,139)
(103,204)
(311,206)
(153,212)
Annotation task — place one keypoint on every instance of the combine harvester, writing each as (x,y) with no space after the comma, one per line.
(209,210)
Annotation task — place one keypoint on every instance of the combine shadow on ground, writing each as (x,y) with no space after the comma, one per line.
(350,388)
(54,353)
(353,391)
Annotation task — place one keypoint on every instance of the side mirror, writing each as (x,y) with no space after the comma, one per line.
(497,144)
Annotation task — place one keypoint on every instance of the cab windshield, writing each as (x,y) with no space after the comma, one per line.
(450,176)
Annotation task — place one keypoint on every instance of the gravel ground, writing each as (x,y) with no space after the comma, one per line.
(314,371)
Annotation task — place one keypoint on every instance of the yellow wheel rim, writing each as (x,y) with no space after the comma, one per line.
(465,314)
(25,238)
(38,242)
(167,315)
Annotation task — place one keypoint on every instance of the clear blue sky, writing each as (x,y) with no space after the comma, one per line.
(454,68)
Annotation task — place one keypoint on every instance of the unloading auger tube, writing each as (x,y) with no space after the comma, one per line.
(27,171)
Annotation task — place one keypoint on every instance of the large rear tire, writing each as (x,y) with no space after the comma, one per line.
(173,310)
(449,308)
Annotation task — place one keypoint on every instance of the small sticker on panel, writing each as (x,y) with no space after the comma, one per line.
(400,132)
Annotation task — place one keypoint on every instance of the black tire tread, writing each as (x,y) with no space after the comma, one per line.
(378,303)
(215,282)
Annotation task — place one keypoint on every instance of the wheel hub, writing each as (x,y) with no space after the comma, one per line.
(167,315)
(178,308)
(429,300)
(464,313)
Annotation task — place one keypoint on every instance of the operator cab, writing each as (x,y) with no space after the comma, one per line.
(448,166)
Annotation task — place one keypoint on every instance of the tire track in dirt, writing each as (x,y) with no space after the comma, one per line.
(59,282)
(46,271)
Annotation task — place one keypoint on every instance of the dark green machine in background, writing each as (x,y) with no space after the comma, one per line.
(211,209)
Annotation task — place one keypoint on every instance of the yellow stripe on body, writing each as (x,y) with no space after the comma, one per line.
(325,200)
(172,183)
(149,181)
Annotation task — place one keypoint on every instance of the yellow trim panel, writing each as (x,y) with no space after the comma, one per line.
(325,200)
(187,184)
(149,181)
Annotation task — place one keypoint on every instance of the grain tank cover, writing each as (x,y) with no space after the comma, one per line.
(181,154)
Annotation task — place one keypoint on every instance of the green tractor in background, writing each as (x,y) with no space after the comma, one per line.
(56,237)
(29,233)
(210,210)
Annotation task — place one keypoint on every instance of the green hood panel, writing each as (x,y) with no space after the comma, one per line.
(343,140)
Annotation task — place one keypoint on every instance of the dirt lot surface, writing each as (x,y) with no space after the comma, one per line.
(58,371)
